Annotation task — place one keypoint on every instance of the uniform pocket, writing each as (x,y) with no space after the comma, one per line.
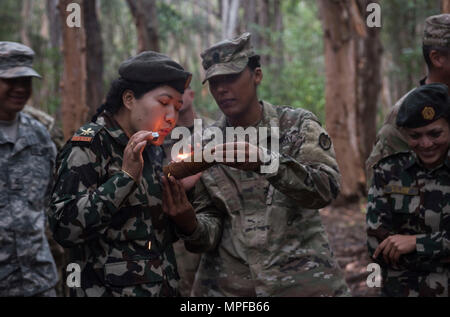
(134,273)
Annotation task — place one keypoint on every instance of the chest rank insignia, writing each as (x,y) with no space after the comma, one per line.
(325,142)
(409,191)
(428,113)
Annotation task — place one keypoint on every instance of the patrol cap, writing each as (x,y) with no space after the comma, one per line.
(16,60)
(155,68)
(423,106)
(437,31)
(227,57)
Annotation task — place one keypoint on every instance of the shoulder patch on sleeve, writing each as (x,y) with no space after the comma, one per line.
(86,133)
(325,142)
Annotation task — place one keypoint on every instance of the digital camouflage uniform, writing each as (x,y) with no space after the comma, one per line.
(26,264)
(389,139)
(187,262)
(58,254)
(115,229)
(408,199)
(261,233)
(27,267)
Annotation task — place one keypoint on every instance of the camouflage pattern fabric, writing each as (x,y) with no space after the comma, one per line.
(115,229)
(261,233)
(227,57)
(16,60)
(437,31)
(408,199)
(26,264)
(390,140)
(187,262)
(59,256)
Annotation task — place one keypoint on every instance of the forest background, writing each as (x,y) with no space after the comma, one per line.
(350,86)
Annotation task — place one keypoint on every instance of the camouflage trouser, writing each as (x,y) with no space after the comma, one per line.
(61,261)
(187,263)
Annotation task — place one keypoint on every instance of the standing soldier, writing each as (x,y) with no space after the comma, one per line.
(436,46)
(106,204)
(261,234)
(27,156)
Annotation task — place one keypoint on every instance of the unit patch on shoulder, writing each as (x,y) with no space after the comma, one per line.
(325,142)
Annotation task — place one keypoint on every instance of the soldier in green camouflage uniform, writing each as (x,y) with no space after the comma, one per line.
(261,234)
(106,204)
(27,158)
(436,42)
(408,219)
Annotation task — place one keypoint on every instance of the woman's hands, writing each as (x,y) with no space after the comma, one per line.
(133,163)
(395,246)
(176,204)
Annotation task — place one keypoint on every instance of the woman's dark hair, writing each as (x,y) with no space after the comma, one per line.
(254,62)
(426,49)
(114,100)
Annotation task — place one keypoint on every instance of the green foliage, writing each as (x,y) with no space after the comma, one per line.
(301,81)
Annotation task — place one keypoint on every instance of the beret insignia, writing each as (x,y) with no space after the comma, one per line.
(325,142)
(428,113)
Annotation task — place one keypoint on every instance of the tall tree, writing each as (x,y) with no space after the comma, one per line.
(74,110)
(230,14)
(146,18)
(353,81)
(445,6)
(94,61)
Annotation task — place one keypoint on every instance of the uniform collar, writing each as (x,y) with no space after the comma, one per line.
(269,118)
(113,128)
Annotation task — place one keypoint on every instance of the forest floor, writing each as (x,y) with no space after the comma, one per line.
(347,235)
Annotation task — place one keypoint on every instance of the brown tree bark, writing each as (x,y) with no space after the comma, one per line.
(445,6)
(353,81)
(74,110)
(146,18)
(94,60)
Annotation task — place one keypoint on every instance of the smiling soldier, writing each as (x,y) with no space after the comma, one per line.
(27,156)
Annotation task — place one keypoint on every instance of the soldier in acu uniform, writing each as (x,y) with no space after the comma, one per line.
(408,217)
(27,157)
(260,234)
(436,51)
(106,204)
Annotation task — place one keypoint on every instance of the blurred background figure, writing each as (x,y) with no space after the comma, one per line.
(27,156)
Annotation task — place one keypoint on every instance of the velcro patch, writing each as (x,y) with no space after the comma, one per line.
(410,191)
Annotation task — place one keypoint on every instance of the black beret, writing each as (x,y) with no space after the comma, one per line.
(423,106)
(155,68)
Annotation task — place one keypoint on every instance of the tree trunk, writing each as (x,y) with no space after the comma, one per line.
(74,110)
(94,60)
(146,18)
(230,14)
(54,23)
(25,15)
(445,6)
(352,59)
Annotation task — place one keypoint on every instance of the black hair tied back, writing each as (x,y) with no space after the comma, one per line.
(114,99)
